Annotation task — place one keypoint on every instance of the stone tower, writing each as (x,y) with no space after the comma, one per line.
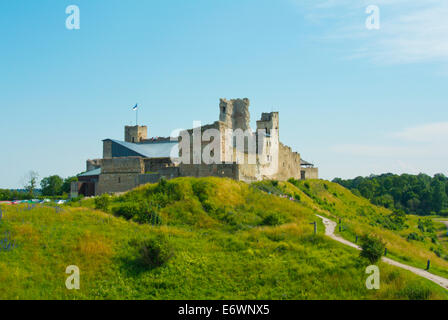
(269,123)
(235,113)
(135,134)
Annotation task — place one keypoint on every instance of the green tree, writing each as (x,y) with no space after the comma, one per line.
(66,186)
(372,248)
(439,199)
(103,202)
(52,186)
(31,182)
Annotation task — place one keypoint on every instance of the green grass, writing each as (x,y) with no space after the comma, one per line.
(359,216)
(229,240)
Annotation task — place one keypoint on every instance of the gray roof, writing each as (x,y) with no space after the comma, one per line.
(94,172)
(152,150)
(305,163)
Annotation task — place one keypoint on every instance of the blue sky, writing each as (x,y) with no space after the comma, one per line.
(351,100)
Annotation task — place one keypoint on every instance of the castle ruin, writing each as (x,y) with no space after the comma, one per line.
(226,148)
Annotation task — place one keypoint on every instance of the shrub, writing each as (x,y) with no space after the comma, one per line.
(372,248)
(200,189)
(297,197)
(167,191)
(149,216)
(437,251)
(209,206)
(415,291)
(141,212)
(156,252)
(293,182)
(274,183)
(102,202)
(273,219)
(415,236)
(127,210)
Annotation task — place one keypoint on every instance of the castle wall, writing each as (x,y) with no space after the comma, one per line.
(197,133)
(116,182)
(248,172)
(119,174)
(153,165)
(309,173)
(123,165)
(107,149)
(289,164)
(213,170)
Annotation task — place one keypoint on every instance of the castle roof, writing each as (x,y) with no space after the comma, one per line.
(94,172)
(146,150)
(306,163)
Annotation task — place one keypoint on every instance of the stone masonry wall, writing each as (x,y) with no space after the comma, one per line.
(288,164)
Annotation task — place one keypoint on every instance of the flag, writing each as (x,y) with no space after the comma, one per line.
(135,107)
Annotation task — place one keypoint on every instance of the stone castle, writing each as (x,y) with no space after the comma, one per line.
(226,148)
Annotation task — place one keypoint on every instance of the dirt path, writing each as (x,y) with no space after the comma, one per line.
(330,226)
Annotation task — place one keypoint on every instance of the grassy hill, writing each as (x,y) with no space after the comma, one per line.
(205,238)
(410,239)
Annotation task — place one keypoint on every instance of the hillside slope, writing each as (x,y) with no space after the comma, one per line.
(190,239)
(410,239)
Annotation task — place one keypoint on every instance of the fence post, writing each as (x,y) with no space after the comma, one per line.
(385,251)
(315,227)
(428,264)
(356,241)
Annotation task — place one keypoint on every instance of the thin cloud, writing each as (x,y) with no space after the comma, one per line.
(423,141)
(432,133)
(411,31)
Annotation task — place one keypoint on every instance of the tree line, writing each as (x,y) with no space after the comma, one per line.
(52,186)
(414,194)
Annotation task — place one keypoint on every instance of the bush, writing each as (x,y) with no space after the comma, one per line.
(209,206)
(168,191)
(102,202)
(127,210)
(273,219)
(415,236)
(141,212)
(156,252)
(372,248)
(201,189)
(415,291)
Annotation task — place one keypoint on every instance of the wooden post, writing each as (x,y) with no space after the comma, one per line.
(385,251)
(315,227)
(356,241)
(428,264)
